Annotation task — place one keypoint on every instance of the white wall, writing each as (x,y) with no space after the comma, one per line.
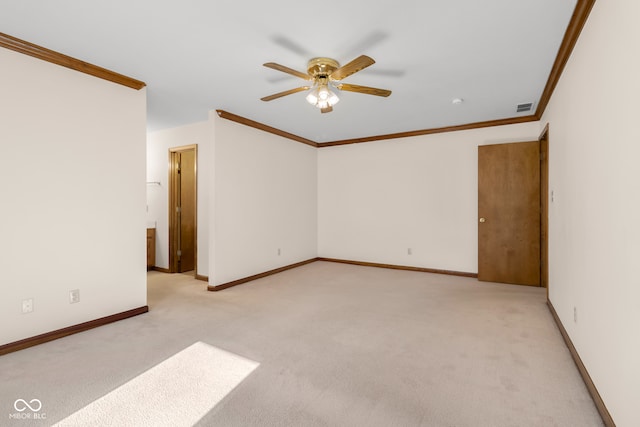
(158,145)
(594,231)
(265,198)
(378,199)
(72,185)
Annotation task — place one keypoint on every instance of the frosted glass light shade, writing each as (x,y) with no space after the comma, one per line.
(322,97)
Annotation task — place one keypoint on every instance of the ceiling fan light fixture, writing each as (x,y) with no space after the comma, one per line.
(312,97)
(323,93)
(333,99)
(322,97)
(324,72)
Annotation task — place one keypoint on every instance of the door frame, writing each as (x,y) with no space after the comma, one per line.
(174,194)
(544,208)
(543,141)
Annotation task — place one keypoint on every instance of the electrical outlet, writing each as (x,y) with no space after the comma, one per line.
(279,252)
(74,296)
(27,305)
(409,251)
(575,315)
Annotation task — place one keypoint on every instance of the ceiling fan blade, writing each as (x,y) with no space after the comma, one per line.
(360,63)
(285,93)
(326,109)
(364,89)
(288,70)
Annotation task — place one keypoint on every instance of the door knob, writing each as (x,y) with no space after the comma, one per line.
(482,220)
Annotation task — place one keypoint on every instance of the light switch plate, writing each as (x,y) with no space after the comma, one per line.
(27,305)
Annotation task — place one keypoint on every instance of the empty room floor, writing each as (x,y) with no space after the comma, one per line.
(332,344)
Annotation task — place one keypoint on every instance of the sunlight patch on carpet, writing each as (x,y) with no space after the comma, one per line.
(177,392)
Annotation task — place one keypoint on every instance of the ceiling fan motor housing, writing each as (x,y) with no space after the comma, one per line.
(322,67)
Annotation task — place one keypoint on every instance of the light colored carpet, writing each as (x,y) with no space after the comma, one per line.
(338,345)
(177,392)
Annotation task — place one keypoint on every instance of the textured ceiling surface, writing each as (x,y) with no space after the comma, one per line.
(201,55)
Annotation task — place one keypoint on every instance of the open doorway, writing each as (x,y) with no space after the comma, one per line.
(183,204)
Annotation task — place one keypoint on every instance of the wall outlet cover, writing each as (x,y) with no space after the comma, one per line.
(74,296)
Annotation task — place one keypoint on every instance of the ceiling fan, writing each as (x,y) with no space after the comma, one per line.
(323,73)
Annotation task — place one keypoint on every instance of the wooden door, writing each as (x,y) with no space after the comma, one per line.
(183,205)
(509,213)
(187,210)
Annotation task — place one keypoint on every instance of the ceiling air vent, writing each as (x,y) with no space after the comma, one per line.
(521,108)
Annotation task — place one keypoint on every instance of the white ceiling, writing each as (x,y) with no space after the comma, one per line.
(200,55)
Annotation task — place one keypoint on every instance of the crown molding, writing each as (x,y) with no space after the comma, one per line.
(26,48)
(578,20)
(257,125)
(469,126)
